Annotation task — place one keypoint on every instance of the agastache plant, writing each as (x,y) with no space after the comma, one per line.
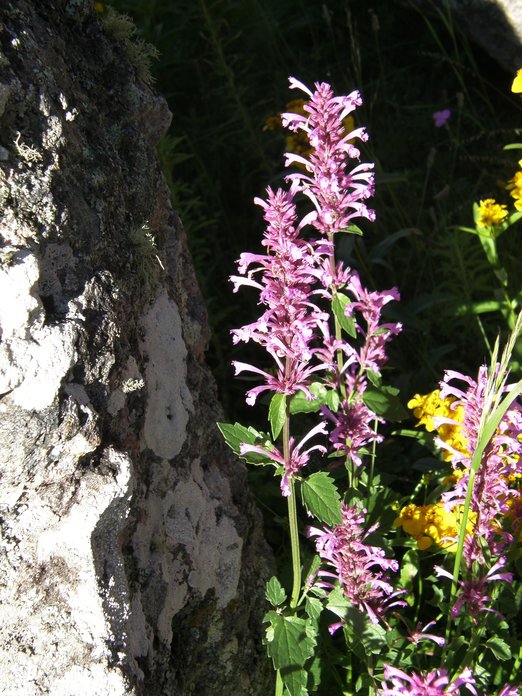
(323,340)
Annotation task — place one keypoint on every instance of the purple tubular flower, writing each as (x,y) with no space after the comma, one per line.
(436,683)
(473,597)
(360,569)
(297,457)
(508,690)
(440,118)
(290,378)
(353,429)
(419,634)
(370,305)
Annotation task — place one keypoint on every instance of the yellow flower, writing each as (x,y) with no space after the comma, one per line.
(433,524)
(517,82)
(430,406)
(426,407)
(452,478)
(491,213)
(99,7)
(514,186)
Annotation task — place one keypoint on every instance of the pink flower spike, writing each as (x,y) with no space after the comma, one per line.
(359,569)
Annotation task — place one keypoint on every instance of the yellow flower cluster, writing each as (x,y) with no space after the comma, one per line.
(433,524)
(514,186)
(491,213)
(430,406)
(517,82)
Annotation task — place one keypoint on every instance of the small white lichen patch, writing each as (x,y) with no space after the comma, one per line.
(131,381)
(25,152)
(131,385)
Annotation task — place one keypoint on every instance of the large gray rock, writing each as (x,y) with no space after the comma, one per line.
(495,25)
(131,555)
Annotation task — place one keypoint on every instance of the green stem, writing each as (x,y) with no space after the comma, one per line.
(294,541)
(292,516)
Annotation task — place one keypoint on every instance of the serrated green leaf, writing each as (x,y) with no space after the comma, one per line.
(291,644)
(321,497)
(332,400)
(374,377)
(358,626)
(314,670)
(499,648)
(313,607)
(337,603)
(339,304)
(295,679)
(274,592)
(300,404)
(277,414)
(311,569)
(384,401)
(235,435)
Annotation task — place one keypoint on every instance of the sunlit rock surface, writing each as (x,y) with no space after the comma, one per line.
(131,556)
